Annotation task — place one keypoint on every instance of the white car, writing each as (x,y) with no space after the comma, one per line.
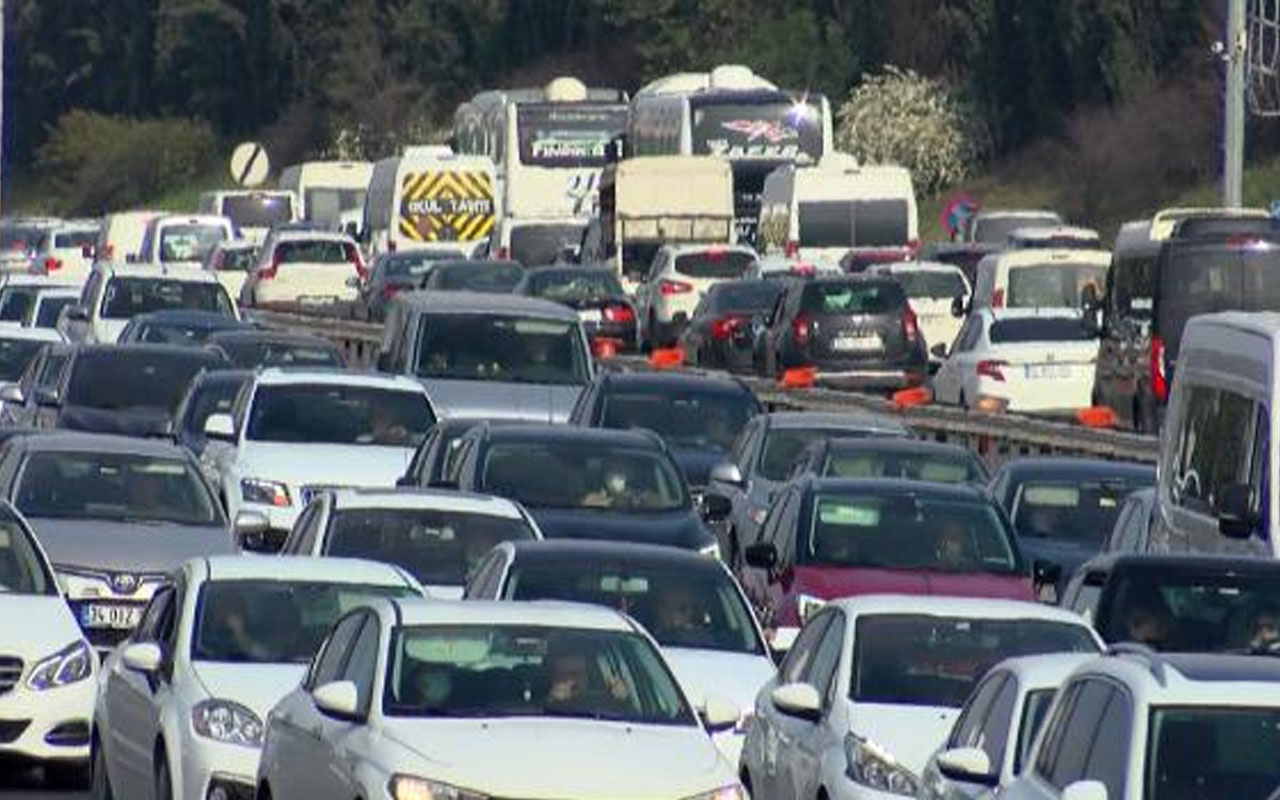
(181,703)
(66,251)
(1019,359)
(304,267)
(989,745)
(1137,724)
(18,295)
(873,684)
(48,305)
(115,294)
(173,240)
(299,432)
(120,237)
(46,666)
(936,292)
(781,267)
(675,283)
(417,699)
(439,536)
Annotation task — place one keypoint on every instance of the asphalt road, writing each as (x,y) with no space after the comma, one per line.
(29,784)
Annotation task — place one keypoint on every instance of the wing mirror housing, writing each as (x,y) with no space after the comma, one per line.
(799,700)
(1234,509)
(761,555)
(727,472)
(12,393)
(221,427)
(250,529)
(967,765)
(143,657)
(338,699)
(718,714)
(716,507)
(939,351)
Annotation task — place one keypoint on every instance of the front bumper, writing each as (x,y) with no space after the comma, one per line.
(52,725)
(216,770)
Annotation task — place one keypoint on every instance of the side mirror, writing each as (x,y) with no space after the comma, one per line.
(718,714)
(1046,573)
(1234,510)
(12,393)
(338,699)
(45,397)
(939,350)
(220,426)
(799,700)
(1085,790)
(716,507)
(144,657)
(77,313)
(87,251)
(967,765)
(761,555)
(959,307)
(250,529)
(727,472)
(781,640)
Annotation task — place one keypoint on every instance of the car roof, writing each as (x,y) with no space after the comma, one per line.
(894,486)
(687,381)
(309,235)
(612,553)
(1184,563)
(1045,670)
(895,444)
(289,376)
(484,303)
(542,613)
(193,219)
(1192,679)
(12,332)
(1069,467)
(572,269)
(51,282)
(852,420)
(422,498)
(1037,312)
(76,441)
(161,273)
(250,334)
(211,376)
(945,606)
(187,315)
(302,568)
(900,267)
(687,249)
(543,432)
(147,348)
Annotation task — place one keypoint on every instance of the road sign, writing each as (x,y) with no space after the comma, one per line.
(249,164)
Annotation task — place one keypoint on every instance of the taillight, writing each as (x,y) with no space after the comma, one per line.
(51,264)
(108,251)
(618,313)
(793,248)
(913,248)
(504,253)
(910,326)
(989,368)
(668,288)
(997,298)
(391,291)
(1159,377)
(269,273)
(353,255)
(802,329)
(725,327)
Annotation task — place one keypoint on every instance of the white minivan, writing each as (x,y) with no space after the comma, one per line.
(1052,278)
(254,212)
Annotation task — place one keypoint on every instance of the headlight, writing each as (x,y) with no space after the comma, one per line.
(407,787)
(871,766)
(733,791)
(807,605)
(712,550)
(270,493)
(70,664)
(227,721)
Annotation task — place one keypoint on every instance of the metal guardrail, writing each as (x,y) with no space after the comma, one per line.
(994,437)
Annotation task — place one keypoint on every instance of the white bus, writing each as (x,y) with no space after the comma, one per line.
(328,191)
(430,198)
(548,145)
(735,114)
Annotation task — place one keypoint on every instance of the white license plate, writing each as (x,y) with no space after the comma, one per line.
(1047,371)
(590,315)
(856,344)
(117,617)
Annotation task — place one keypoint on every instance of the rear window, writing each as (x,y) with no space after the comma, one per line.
(1052,285)
(74,239)
(15,302)
(996,229)
(253,353)
(1051,329)
(702,421)
(714,264)
(189,242)
(930,284)
(50,309)
(15,355)
(121,379)
(1133,286)
(937,467)
(498,347)
(238,260)
(127,297)
(335,414)
(1201,279)
(861,223)
(536,245)
(747,296)
(258,211)
(479,276)
(852,298)
(315,252)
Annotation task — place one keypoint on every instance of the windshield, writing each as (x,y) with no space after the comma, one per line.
(174,332)
(257,210)
(1201,279)
(253,353)
(16,355)
(771,130)
(15,302)
(477,276)
(120,379)
(438,547)
(866,461)
(127,297)
(50,308)
(854,223)
(850,297)
(685,420)
(114,486)
(414,265)
(930,285)
(996,228)
(20,238)
(189,242)
(714,264)
(919,660)
(746,296)
(1038,329)
(680,607)
(325,205)
(499,347)
(331,413)
(908,532)
(536,245)
(273,621)
(1133,286)
(213,397)
(75,240)
(1079,511)
(22,570)
(1035,707)
(502,670)
(568,474)
(575,285)
(1055,285)
(784,446)
(567,135)
(1201,752)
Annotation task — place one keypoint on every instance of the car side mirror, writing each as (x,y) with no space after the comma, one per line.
(1046,573)
(250,529)
(220,426)
(12,393)
(1234,510)
(967,765)
(144,657)
(338,699)
(761,555)
(87,251)
(939,350)
(77,313)
(716,507)
(727,472)
(799,700)
(1085,790)
(959,308)
(718,714)
(45,398)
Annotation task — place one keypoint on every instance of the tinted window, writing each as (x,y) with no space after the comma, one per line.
(567,135)
(1203,471)
(257,210)
(250,353)
(498,347)
(1200,279)
(22,570)
(1079,511)
(928,284)
(49,310)
(567,474)
(746,295)
(237,260)
(1052,285)
(1213,752)
(1133,285)
(477,276)
(128,297)
(784,445)
(1038,329)
(865,461)
(535,245)
(996,229)
(16,355)
(714,264)
(413,264)
(189,242)
(325,205)
(319,251)
(15,302)
(119,379)
(19,238)
(861,297)
(1080,731)
(826,224)
(698,421)
(575,285)
(1035,706)
(780,129)
(337,414)
(213,397)
(175,332)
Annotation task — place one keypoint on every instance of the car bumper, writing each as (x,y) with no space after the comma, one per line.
(52,725)
(869,378)
(217,771)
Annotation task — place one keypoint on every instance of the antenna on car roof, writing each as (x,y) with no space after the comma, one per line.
(1154,661)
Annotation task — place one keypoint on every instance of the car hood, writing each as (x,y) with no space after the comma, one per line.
(734,677)
(323,464)
(141,421)
(498,400)
(681,528)
(36,625)
(258,687)
(829,583)
(697,464)
(540,758)
(911,734)
(130,546)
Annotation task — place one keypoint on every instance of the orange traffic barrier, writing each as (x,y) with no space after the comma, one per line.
(1097,417)
(605,348)
(799,378)
(907,398)
(666,358)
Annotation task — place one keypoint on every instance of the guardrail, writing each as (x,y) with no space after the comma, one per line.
(994,437)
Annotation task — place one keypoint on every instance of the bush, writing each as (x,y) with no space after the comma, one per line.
(901,117)
(96,163)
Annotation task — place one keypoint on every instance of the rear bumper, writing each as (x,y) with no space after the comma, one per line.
(870,378)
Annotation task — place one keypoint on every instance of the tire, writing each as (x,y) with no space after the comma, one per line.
(99,780)
(164,779)
(67,775)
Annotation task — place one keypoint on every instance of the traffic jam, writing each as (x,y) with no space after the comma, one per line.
(571,523)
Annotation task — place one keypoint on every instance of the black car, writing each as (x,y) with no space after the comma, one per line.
(1183,604)
(593,292)
(178,326)
(1064,508)
(891,457)
(722,329)
(584,483)
(698,416)
(433,461)
(474,276)
(252,349)
(854,331)
(392,273)
(208,393)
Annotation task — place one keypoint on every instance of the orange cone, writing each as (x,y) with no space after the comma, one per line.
(799,378)
(666,358)
(908,398)
(1097,417)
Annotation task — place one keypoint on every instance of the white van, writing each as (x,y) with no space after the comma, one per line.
(121,234)
(429,196)
(1052,278)
(537,241)
(174,240)
(326,190)
(254,212)
(827,211)
(1216,486)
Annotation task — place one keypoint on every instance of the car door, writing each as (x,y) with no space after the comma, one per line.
(344,744)
(953,376)
(775,731)
(1067,743)
(756,580)
(737,494)
(812,739)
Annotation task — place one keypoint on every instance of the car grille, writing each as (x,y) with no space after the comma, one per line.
(10,672)
(11,729)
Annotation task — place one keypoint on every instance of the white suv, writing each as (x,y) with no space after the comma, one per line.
(677,279)
(1135,723)
(115,294)
(305,267)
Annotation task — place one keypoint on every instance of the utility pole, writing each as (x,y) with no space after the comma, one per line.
(1233,122)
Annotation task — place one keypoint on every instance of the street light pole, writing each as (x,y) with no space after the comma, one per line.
(1233,121)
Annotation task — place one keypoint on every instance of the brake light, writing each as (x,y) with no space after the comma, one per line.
(618,313)
(989,368)
(910,325)
(353,255)
(1159,377)
(52,264)
(724,327)
(269,273)
(793,248)
(802,329)
(997,298)
(668,288)
(391,291)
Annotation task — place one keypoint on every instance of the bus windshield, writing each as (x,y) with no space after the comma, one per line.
(776,129)
(558,135)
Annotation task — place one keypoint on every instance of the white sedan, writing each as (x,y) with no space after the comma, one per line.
(181,703)
(1024,360)
(935,291)
(415,699)
(46,666)
(873,684)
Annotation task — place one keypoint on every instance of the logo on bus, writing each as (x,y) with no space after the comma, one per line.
(771,131)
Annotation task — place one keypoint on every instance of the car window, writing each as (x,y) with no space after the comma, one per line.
(967,730)
(125,298)
(1209,751)
(714,263)
(16,355)
(1080,731)
(1035,707)
(994,734)
(22,569)
(1053,285)
(583,474)
(151,626)
(328,662)
(362,663)
(1109,754)
(850,297)
(293,542)
(805,648)
(112,379)
(821,671)
(498,347)
(535,245)
(483,584)
(330,413)
(1072,510)
(868,461)
(189,242)
(703,421)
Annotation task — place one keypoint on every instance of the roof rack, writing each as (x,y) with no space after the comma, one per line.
(1155,663)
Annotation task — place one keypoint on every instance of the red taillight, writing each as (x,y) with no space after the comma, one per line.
(391,291)
(668,288)
(618,313)
(269,273)
(353,255)
(504,253)
(997,298)
(910,326)
(51,264)
(793,249)
(725,327)
(1159,377)
(802,329)
(992,369)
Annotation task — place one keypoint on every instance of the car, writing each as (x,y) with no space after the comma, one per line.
(1131,532)
(19,347)
(232,261)
(854,332)
(226,639)
(115,294)
(497,277)
(500,700)
(66,251)
(1187,604)
(304,267)
(537,242)
(483,356)
(594,292)
(120,237)
(1062,508)
(934,291)
(1135,723)
(723,326)
(249,349)
(115,515)
(295,433)
(993,226)
(760,462)
(587,483)
(891,457)
(392,273)
(131,389)
(874,683)
(179,327)
(18,295)
(209,392)
(175,240)
(48,304)
(437,536)
(1053,237)
(1033,361)
(826,538)
(699,416)
(675,283)
(989,744)
(19,239)
(1039,278)
(47,668)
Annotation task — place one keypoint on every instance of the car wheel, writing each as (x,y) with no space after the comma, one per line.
(164,780)
(99,780)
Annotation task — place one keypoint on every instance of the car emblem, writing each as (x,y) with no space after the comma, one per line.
(124,583)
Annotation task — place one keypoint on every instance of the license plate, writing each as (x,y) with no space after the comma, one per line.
(856,344)
(116,617)
(590,315)
(1047,371)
